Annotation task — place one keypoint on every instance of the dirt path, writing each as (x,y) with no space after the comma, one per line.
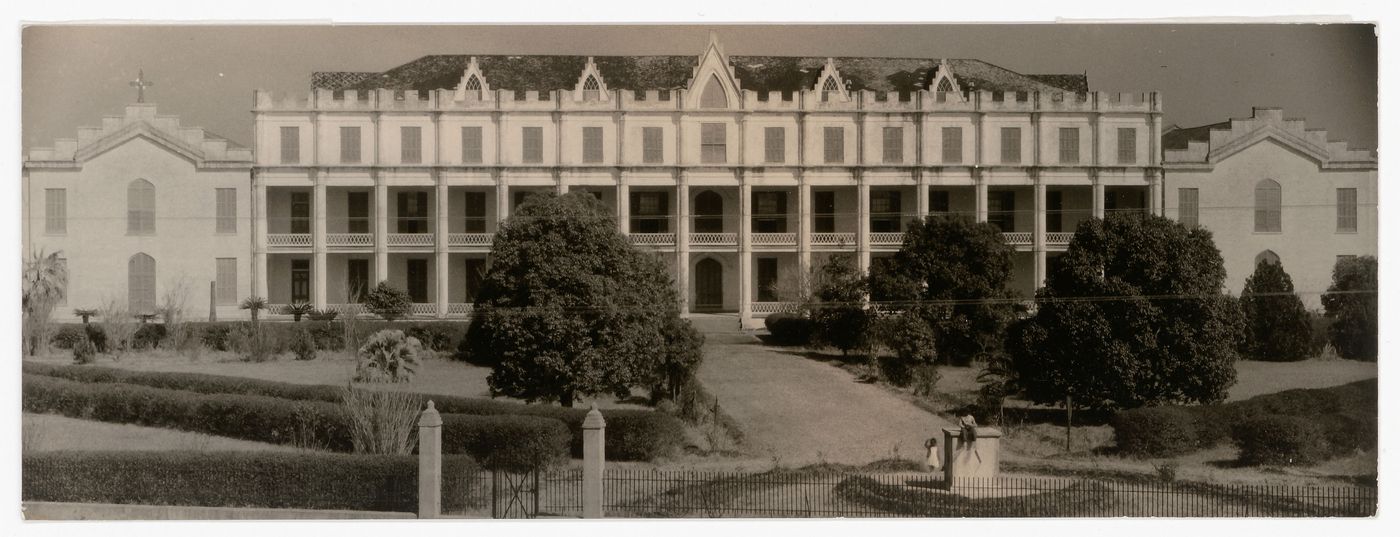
(803,411)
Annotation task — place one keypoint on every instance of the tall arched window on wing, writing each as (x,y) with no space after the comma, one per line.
(140,208)
(1266,256)
(713,95)
(141,284)
(830,89)
(474,88)
(1268,207)
(590,89)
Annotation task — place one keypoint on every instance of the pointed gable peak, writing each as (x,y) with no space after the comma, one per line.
(712,82)
(590,85)
(473,85)
(830,85)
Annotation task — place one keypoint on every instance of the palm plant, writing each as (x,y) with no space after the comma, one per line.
(297,309)
(85,313)
(388,356)
(254,304)
(45,281)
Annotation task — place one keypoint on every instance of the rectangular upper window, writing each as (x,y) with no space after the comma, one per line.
(357,212)
(475,212)
(652,152)
(774,145)
(55,211)
(712,143)
(1069,145)
(952,145)
(894,145)
(834,145)
(226,210)
(349,145)
(1346,210)
(593,145)
(411,145)
(1127,145)
(532,145)
(471,145)
(226,280)
(1188,202)
(1010,145)
(291,145)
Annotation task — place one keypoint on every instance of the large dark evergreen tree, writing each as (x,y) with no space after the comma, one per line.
(839,317)
(569,308)
(1279,328)
(1352,301)
(1132,315)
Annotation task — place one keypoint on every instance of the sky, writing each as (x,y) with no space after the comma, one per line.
(72,76)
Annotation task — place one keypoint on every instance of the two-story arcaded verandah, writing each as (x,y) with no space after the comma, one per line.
(741,171)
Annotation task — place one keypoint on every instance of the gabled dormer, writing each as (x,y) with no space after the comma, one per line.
(944,82)
(712,83)
(473,86)
(591,87)
(830,86)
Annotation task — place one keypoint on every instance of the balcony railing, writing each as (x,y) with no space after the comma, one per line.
(423,309)
(1017,238)
(653,239)
(714,239)
(766,308)
(834,239)
(1059,238)
(345,310)
(349,239)
(886,239)
(774,239)
(410,239)
(288,240)
(469,239)
(460,309)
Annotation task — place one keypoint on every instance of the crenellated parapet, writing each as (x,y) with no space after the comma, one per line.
(142,120)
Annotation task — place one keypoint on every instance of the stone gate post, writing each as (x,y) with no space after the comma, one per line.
(593,426)
(429,463)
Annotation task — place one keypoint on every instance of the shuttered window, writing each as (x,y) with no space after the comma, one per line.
(1268,207)
(226,210)
(532,145)
(1188,202)
(349,145)
(141,284)
(592,145)
(1010,145)
(471,144)
(774,144)
(291,145)
(1346,210)
(140,208)
(55,211)
(834,145)
(952,145)
(1069,145)
(226,281)
(1127,146)
(652,152)
(411,145)
(894,145)
(713,142)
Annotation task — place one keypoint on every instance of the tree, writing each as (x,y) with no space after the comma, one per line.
(1132,315)
(569,308)
(954,272)
(1351,302)
(44,285)
(838,313)
(388,301)
(1279,329)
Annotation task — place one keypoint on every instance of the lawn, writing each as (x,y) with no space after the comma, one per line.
(48,432)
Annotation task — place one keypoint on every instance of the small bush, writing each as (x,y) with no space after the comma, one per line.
(1280,440)
(1155,431)
(84,352)
(382,422)
(304,347)
(510,443)
(387,301)
(216,336)
(388,356)
(432,336)
(789,328)
(97,336)
(328,336)
(245,479)
(68,335)
(149,336)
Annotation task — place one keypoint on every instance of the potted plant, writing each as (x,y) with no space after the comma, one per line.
(297,310)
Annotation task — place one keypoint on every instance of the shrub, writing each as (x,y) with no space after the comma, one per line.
(510,443)
(328,336)
(297,310)
(148,336)
(1280,440)
(67,336)
(216,336)
(245,479)
(322,315)
(387,301)
(255,343)
(388,356)
(382,422)
(431,336)
(1352,302)
(304,346)
(84,352)
(789,328)
(97,336)
(1162,431)
(840,320)
(1279,327)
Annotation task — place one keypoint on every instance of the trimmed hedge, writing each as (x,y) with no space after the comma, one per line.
(633,435)
(1280,440)
(789,328)
(244,479)
(1155,432)
(1080,498)
(494,440)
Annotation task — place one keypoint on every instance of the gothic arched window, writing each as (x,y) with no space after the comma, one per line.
(140,208)
(474,88)
(590,89)
(830,88)
(1268,207)
(713,96)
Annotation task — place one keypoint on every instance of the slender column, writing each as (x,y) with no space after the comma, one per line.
(683,241)
(381,229)
(502,201)
(863,224)
(745,250)
(259,276)
(1154,192)
(921,193)
(624,207)
(981,198)
(440,275)
(1098,197)
(318,241)
(1038,237)
(804,226)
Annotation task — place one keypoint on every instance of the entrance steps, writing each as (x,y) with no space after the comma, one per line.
(716,323)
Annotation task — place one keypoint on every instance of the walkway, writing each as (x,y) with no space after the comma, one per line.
(803,411)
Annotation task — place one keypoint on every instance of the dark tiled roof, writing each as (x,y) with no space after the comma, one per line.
(757,73)
(1179,138)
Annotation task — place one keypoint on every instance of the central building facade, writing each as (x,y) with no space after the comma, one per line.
(742,172)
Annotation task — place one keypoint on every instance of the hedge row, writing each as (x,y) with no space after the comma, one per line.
(632,435)
(241,479)
(1081,498)
(500,441)
(1344,417)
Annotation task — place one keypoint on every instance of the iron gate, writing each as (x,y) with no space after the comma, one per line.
(515,495)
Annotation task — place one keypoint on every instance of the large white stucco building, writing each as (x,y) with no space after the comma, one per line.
(740,171)
(138,205)
(1268,187)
